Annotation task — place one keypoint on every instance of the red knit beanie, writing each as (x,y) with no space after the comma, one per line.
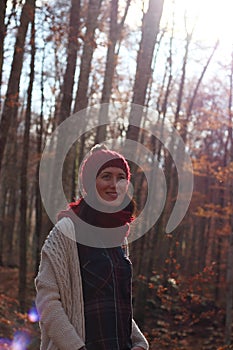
(100,158)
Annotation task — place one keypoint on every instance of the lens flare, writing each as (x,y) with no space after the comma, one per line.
(4,343)
(33,315)
(20,341)
(21,338)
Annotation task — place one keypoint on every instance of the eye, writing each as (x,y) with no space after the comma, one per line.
(106,176)
(121,177)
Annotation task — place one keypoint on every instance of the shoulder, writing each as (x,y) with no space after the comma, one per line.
(66,227)
(60,235)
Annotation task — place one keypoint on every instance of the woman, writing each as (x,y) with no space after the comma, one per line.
(84,290)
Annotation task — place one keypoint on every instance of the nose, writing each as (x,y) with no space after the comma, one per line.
(113,182)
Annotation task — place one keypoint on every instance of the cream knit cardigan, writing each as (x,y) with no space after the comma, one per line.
(59,298)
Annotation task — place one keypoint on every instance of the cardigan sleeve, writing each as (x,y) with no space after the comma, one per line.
(54,321)
(138,338)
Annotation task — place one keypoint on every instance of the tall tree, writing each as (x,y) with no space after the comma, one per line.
(72,51)
(81,100)
(111,61)
(150,29)
(170,170)
(10,107)
(228,159)
(23,179)
(229,293)
(67,97)
(2,36)
(38,203)
(8,190)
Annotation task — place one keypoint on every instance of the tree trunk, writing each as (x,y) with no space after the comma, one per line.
(38,204)
(11,252)
(3,194)
(2,37)
(9,190)
(150,28)
(81,100)
(229,293)
(10,107)
(170,170)
(72,50)
(67,90)
(228,159)
(192,100)
(24,182)
(111,60)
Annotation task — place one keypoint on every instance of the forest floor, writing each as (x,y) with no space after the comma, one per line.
(190,325)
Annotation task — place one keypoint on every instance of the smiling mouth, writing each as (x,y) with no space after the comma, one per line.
(112,195)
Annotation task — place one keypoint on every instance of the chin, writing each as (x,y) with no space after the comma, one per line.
(111,203)
(115,203)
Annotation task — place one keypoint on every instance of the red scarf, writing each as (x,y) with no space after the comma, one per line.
(95,217)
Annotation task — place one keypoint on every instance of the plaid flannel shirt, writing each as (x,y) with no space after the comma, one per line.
(106,279)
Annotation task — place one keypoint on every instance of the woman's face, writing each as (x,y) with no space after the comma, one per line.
(112,185)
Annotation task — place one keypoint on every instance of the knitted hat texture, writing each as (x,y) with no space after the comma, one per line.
(100,158)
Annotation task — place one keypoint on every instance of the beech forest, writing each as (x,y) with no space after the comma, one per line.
(126,68)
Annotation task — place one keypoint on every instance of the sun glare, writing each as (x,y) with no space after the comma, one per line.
(211,19)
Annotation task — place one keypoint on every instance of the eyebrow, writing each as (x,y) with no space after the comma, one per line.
(110,173)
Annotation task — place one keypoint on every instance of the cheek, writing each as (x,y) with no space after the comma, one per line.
(100,186)
(122,186)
